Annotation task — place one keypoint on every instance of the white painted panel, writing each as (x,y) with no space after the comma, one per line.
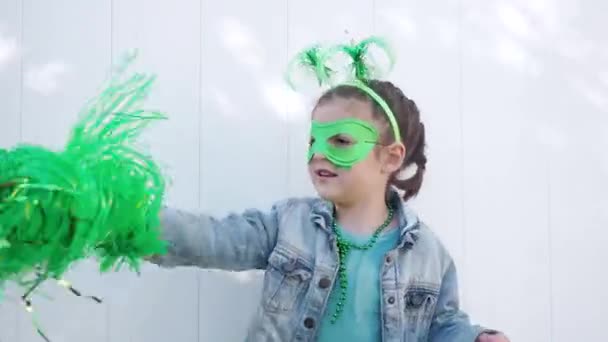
(316,22)
(244,140)
(575,109)
(10,73)
(10,127)
(227,302)
(161,305)
(66,55)
(427,69)
(505,183)
(10,304)
(512,94)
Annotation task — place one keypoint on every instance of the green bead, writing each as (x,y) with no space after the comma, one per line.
(344,247)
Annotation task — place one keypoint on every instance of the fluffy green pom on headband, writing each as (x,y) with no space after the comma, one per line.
(360,69)
(363,67)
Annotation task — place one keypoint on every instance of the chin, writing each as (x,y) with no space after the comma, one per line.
(322,191)
(328,194)
(329,190)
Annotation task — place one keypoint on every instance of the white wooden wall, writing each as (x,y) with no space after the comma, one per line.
(514,94)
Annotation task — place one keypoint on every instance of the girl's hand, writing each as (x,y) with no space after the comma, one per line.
(492,337)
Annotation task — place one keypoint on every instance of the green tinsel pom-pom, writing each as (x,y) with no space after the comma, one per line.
(98,197)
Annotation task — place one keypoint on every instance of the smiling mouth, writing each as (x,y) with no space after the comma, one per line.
(325,173)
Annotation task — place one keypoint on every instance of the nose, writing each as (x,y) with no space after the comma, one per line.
(318,156)
(314,153)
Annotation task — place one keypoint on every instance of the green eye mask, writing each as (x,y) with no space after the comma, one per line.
(343,142)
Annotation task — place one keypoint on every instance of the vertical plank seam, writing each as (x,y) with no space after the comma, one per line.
(463,222)
(109,306)
(549,243)
(21,58)
(199,134)
(21,8)
(111,35)
(287,107)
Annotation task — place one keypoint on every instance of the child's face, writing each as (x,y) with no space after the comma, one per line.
(367,175)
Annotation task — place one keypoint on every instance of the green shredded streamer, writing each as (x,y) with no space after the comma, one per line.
(357,72)
(311,60)
(98,197)
(362,67)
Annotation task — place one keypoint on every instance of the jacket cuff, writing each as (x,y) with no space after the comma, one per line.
(482,330)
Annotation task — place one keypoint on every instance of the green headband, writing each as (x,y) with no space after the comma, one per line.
(316,60)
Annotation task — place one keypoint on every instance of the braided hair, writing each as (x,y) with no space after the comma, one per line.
(408,119)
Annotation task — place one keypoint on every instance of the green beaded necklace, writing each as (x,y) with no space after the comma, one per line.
(344,247)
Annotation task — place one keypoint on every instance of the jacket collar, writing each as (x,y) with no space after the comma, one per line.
(409,224)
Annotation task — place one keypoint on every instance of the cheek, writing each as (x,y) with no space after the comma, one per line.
(372,163)
(365,169)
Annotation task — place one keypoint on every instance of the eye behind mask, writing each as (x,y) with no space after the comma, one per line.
(325,135)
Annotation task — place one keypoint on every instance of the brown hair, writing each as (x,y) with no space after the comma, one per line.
(408,119)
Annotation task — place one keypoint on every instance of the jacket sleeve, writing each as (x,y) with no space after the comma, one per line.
(235,242)
(450,323)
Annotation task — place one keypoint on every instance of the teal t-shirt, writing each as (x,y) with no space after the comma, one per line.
(360,319)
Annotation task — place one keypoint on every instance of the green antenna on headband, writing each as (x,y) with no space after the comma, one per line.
(362,68)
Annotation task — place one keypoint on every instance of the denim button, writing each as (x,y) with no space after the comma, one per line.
(309,323)
(391,300)
(324,283)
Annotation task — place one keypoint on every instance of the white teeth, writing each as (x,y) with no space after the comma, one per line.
(325,173)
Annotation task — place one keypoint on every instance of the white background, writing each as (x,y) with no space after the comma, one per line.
(514,94)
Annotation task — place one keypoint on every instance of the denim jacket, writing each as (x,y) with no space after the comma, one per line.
(295,246)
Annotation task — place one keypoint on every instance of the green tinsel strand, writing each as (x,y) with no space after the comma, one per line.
(98,197)
(310,59)
(314,60)
(363,68)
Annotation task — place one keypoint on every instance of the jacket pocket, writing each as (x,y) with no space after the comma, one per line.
(286,280)
(419,303)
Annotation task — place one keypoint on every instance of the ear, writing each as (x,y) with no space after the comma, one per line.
(392,157)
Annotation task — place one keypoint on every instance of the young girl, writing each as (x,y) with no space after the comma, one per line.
(355,264)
